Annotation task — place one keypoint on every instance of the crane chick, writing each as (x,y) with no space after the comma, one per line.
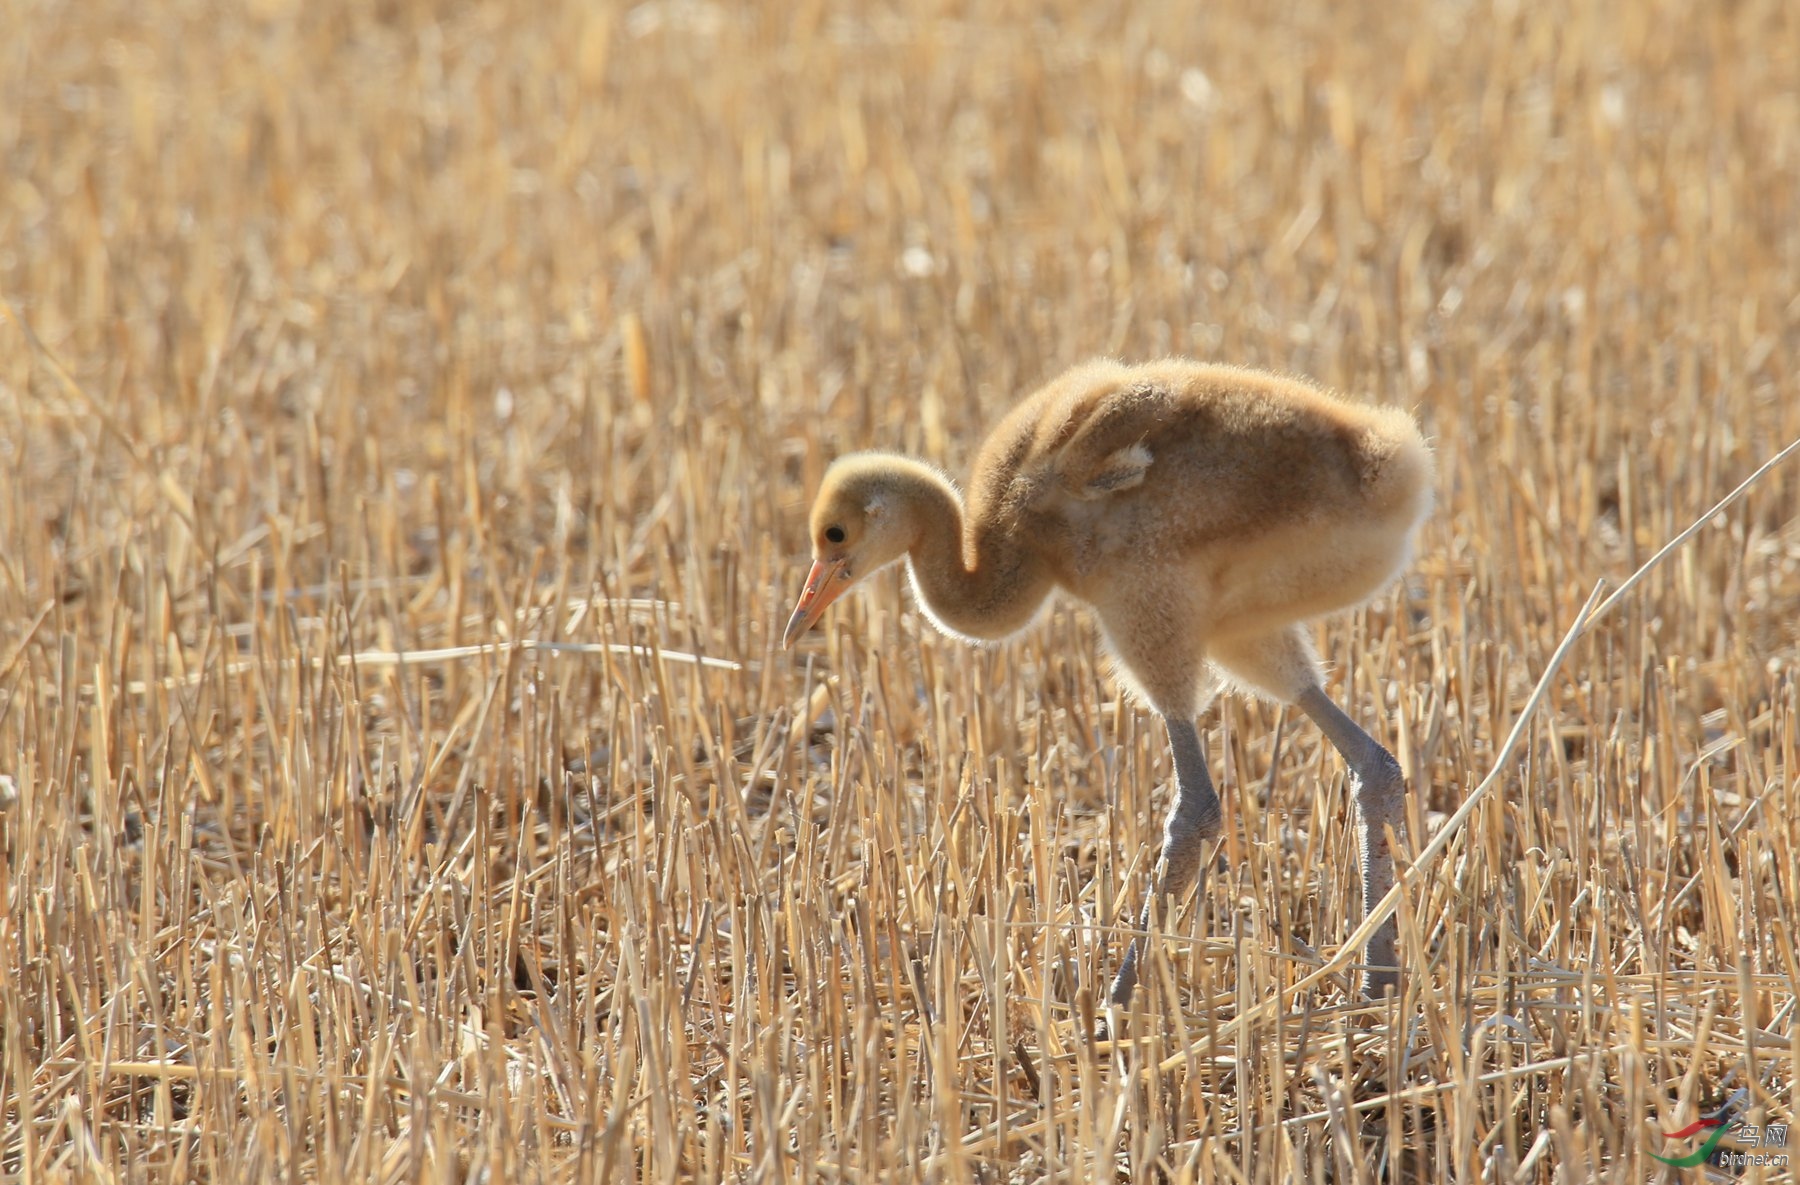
(1205,512)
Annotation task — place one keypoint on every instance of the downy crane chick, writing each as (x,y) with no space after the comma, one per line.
(1205,512)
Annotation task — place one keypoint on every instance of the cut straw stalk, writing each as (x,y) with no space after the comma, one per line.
(394,658)
(1416,871)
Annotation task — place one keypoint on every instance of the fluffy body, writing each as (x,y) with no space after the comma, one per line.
(1202,510)
(1205,512)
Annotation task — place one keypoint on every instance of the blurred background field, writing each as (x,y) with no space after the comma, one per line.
(350,347)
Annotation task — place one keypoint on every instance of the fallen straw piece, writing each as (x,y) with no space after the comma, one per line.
(394,658)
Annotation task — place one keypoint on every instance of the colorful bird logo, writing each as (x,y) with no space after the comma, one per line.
(1716,1123)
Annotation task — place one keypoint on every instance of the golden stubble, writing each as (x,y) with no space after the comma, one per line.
(403,498)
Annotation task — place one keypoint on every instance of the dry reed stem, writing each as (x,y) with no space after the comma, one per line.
(1440,840)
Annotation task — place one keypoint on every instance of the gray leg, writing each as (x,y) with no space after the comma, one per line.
(1380,790)
(1194,820)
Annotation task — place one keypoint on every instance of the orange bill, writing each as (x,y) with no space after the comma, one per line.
(823,584)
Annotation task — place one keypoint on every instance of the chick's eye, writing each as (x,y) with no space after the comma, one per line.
(834,534)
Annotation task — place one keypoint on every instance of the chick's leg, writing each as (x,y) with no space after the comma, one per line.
(1194,821)
(1380,790)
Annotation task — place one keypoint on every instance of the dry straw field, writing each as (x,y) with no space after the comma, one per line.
(407,422)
